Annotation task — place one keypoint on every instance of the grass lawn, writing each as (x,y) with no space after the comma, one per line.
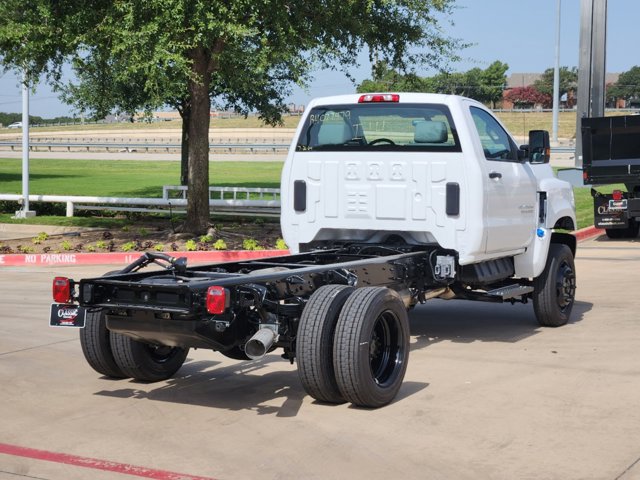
(123,178)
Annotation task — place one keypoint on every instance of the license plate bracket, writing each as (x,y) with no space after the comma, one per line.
(66,315)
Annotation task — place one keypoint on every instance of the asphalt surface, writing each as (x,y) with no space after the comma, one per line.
(488,395)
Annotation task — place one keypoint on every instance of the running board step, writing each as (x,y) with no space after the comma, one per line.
(510,291)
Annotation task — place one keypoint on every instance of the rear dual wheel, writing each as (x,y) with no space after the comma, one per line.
(353,345)
(117,356)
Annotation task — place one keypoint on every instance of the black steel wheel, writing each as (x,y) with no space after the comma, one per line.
(371,349)
(555,289)
(314,342)
(96,345)
(146,362)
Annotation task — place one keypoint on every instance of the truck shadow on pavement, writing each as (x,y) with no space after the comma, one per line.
(465,322)
(242,386)
(249,386)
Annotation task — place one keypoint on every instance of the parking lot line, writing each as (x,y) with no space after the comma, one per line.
(94,463)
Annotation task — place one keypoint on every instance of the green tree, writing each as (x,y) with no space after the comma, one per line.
(627,86)
(244,55)
(494,81)
(568,81)
(483,85)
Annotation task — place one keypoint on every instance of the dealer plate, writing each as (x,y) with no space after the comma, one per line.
(66,315)
(618,204)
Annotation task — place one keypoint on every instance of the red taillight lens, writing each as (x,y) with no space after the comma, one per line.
(61,290)
(379,98)
(216,300)
(617,195)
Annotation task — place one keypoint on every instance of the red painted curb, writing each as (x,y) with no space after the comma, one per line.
(587,233)
(125,258)
(94,463)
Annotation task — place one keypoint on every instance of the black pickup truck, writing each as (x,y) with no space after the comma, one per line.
(611,155)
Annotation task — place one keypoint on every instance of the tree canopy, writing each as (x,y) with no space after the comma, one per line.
(568,81)
(483,85)
(244,55)
(628,85)
(528,97)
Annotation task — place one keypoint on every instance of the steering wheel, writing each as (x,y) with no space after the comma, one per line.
(382,140)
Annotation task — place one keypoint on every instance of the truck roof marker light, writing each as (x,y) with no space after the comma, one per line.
(216,300)
(61,290)
(379,98)
(617,195)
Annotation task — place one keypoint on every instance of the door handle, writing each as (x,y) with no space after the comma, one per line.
(495,175)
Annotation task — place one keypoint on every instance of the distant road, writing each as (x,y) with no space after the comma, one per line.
(169,157)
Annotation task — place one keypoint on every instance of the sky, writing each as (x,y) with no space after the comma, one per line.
(521,33)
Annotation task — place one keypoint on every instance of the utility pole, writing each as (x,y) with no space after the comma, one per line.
(592,65)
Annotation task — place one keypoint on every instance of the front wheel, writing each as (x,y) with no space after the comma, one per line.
(146,362)
(371,347)
(555,289)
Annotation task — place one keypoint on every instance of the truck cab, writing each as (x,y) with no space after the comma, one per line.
(420,169)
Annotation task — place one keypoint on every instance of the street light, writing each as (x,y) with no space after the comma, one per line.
(556,78)
(24,212)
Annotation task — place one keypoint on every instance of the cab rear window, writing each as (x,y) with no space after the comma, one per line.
(373,127)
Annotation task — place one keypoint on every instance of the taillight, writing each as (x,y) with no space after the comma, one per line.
(379,98)
(617,195)
(216,300)
(61,290)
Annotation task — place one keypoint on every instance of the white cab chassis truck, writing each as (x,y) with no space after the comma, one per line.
(388,200)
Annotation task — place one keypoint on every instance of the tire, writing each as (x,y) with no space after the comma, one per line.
(371,349)
(630,232)
(95,341)
(314,344)
(554,290)
(146,362)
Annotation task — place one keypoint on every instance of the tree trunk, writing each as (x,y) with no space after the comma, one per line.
(198,144)
(185,113)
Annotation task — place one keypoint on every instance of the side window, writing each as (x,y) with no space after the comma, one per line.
(495,141)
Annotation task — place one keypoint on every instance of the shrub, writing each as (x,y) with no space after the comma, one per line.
(41,237)
(220,245)
(251,244)
(66,245)
(159,247)
(127,247)
(206,239)
(281,244)
(101,244)
(191,245)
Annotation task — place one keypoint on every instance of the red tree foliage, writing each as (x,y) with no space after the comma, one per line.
(528,97)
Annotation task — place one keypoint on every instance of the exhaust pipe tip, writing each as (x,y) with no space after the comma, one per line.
(261,342)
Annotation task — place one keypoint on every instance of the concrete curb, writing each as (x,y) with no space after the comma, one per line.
(125,258)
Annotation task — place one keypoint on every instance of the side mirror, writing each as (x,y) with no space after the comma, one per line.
(539,146)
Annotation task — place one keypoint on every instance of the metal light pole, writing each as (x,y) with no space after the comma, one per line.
(24,212)
(556,78)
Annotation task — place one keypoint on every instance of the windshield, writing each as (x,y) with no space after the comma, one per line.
(380,126)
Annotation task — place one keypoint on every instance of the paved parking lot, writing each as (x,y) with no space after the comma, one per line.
(488,395)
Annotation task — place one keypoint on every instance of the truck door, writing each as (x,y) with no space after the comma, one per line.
(510,200)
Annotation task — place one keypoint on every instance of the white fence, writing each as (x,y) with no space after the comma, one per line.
(249,205)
